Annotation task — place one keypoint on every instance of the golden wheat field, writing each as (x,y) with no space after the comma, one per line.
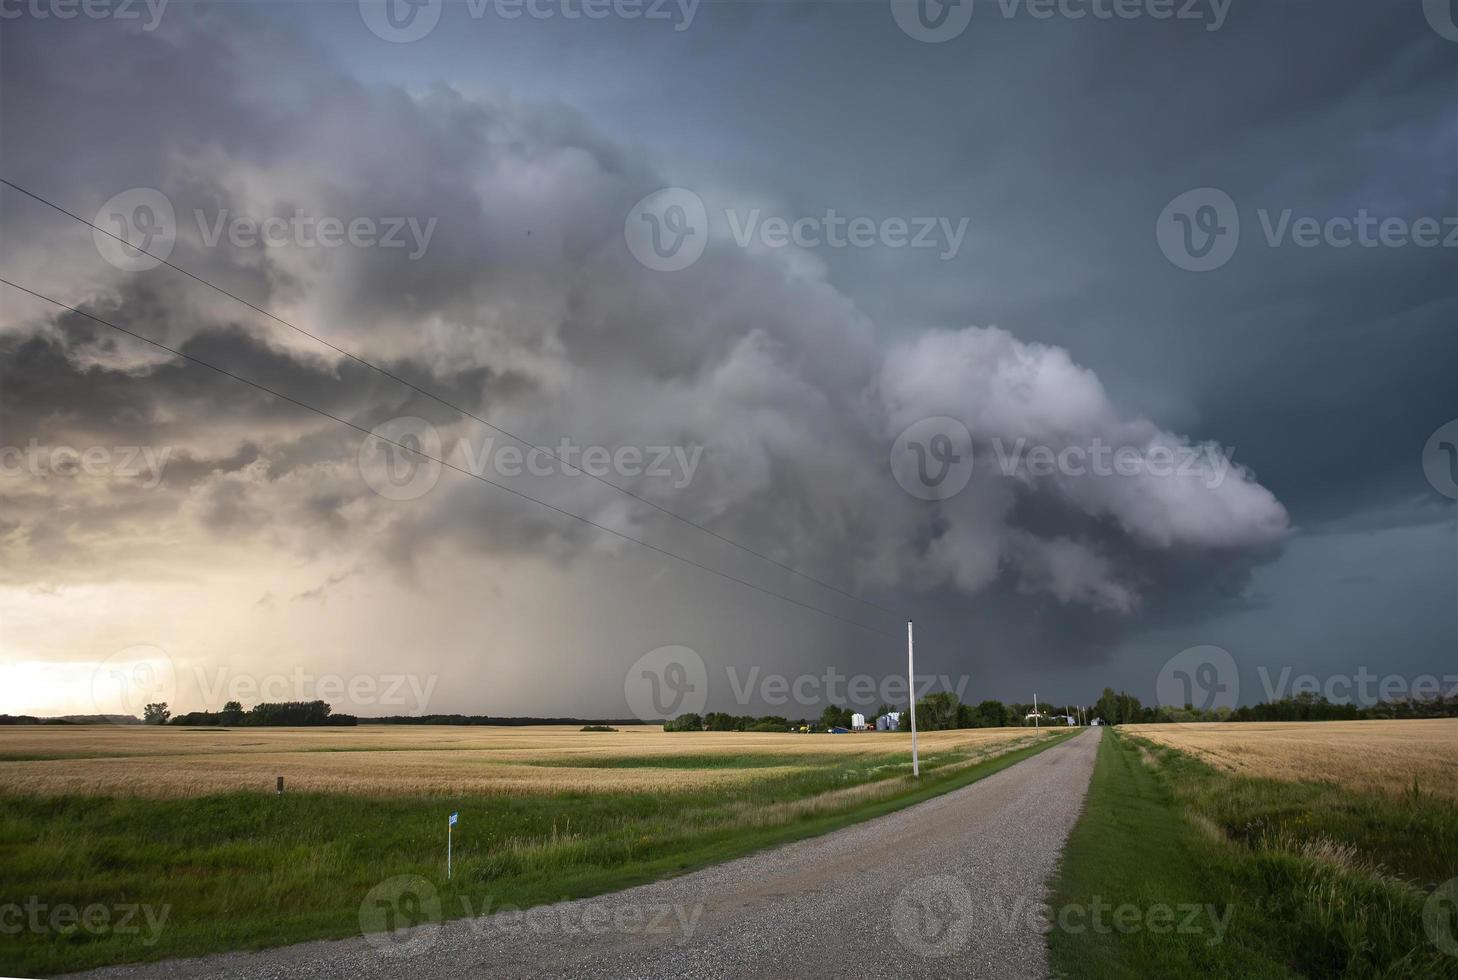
(164,762)
(1384,756)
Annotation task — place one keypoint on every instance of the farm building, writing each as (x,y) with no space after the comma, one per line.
(889,722)
(858,722)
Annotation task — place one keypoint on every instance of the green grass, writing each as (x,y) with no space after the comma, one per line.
(1309,879)
(245,870)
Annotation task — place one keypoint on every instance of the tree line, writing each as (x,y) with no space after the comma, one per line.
(267,714)
(944,710)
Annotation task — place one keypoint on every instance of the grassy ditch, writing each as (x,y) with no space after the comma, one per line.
(1230,876)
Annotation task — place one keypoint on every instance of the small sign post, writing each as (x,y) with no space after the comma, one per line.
(449,824)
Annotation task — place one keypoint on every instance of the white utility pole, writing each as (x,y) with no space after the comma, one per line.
(1035,709)
(911,688)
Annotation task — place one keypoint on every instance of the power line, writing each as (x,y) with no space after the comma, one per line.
(442,462)
(442,401)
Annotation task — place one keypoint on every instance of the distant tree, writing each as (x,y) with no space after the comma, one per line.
(156,713)
(834,717)
(232,713)
(684,723)
(937,712)
(720,721)
(991,714)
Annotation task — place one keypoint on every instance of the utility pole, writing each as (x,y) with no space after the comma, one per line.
(911,688)
(1035,710)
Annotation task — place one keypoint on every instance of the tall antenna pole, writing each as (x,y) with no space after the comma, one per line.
(911,688)
(1035,710)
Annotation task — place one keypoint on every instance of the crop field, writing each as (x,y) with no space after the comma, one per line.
(186,822)
(1325,842)
(1382,756)
(446,761)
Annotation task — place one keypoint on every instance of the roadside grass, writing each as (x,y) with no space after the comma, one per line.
(1316,879)
(248,870)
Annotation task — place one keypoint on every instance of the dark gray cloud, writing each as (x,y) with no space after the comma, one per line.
(1322,369)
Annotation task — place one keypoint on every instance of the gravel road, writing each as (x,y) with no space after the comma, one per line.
(949,888)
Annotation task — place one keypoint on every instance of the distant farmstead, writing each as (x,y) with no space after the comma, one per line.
(889,722)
